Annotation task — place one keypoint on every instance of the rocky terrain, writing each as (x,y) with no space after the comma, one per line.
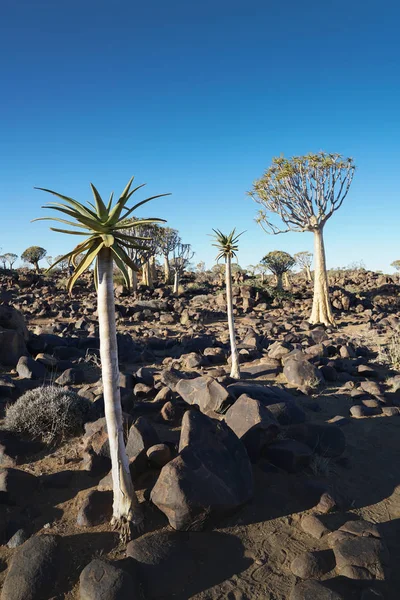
(283,485)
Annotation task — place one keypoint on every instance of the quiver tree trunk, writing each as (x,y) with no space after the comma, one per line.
(167,269)
(279,282)
(126,509)
(321,309)
(152,266)
(35,264)
(308,274)
(132,279)
(235,369)
(176,282)
(287,281)
(146,274)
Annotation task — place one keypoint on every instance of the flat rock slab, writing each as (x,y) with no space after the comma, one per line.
(361,558)
(31,575)
(314,590)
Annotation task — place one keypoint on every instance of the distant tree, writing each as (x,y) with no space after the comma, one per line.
(10,258)
(305,191)
(201,267)
(33,255)
(261,270)
(251,269)
(304,260)
(49,260)
(396,265)
(3,260)
(63,263)
(182,256)
(168,241)
(278,263)
(227,246)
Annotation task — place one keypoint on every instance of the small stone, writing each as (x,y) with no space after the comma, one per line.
(159,455)
(18,539)
(100,580)
(314,526)
(96,509)
(311,565)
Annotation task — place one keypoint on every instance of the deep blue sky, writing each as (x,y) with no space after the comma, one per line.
(195,98)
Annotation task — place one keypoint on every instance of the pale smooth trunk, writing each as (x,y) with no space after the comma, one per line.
(321,309)
(153,270)
(167,269)
(279,284)
(132,279)
(126,508)
(308,274)
(235,369)
(176,282)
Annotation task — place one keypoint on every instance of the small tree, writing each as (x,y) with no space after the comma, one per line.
(228,246)
(304,260)
(11,258)
(182,256)
(33,255)
(261,270)
(278,263)
(305,191)
(396,265)
(3,260)
(104,227)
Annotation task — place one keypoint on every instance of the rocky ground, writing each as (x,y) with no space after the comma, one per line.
(285,485)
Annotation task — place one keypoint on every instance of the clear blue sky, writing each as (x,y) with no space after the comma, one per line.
(195,98)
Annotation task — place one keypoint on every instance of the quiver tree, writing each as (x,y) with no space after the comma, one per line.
(279,263)
(3,261)
(182,255)
(304,192)
(167,242)
(33,255)
(304,260)
(227,248)
(104,228)
(10,258)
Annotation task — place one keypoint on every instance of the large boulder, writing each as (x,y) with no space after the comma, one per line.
(301,373)
(32,569)
(279,402)
(206,392)
(253,423)
(211,477)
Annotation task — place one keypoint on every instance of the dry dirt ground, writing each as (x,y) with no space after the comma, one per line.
(248,556)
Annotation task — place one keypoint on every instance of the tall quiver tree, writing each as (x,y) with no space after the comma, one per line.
(168,241)
(305,191)
(227,246)
(104,227)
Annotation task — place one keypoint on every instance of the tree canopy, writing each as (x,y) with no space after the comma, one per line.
(304,191)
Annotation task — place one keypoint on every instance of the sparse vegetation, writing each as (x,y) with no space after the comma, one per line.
(48,413)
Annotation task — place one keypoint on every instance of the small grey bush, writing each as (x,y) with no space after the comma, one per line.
(47,413)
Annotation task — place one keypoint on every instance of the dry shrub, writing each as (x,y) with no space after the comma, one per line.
(47,413)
